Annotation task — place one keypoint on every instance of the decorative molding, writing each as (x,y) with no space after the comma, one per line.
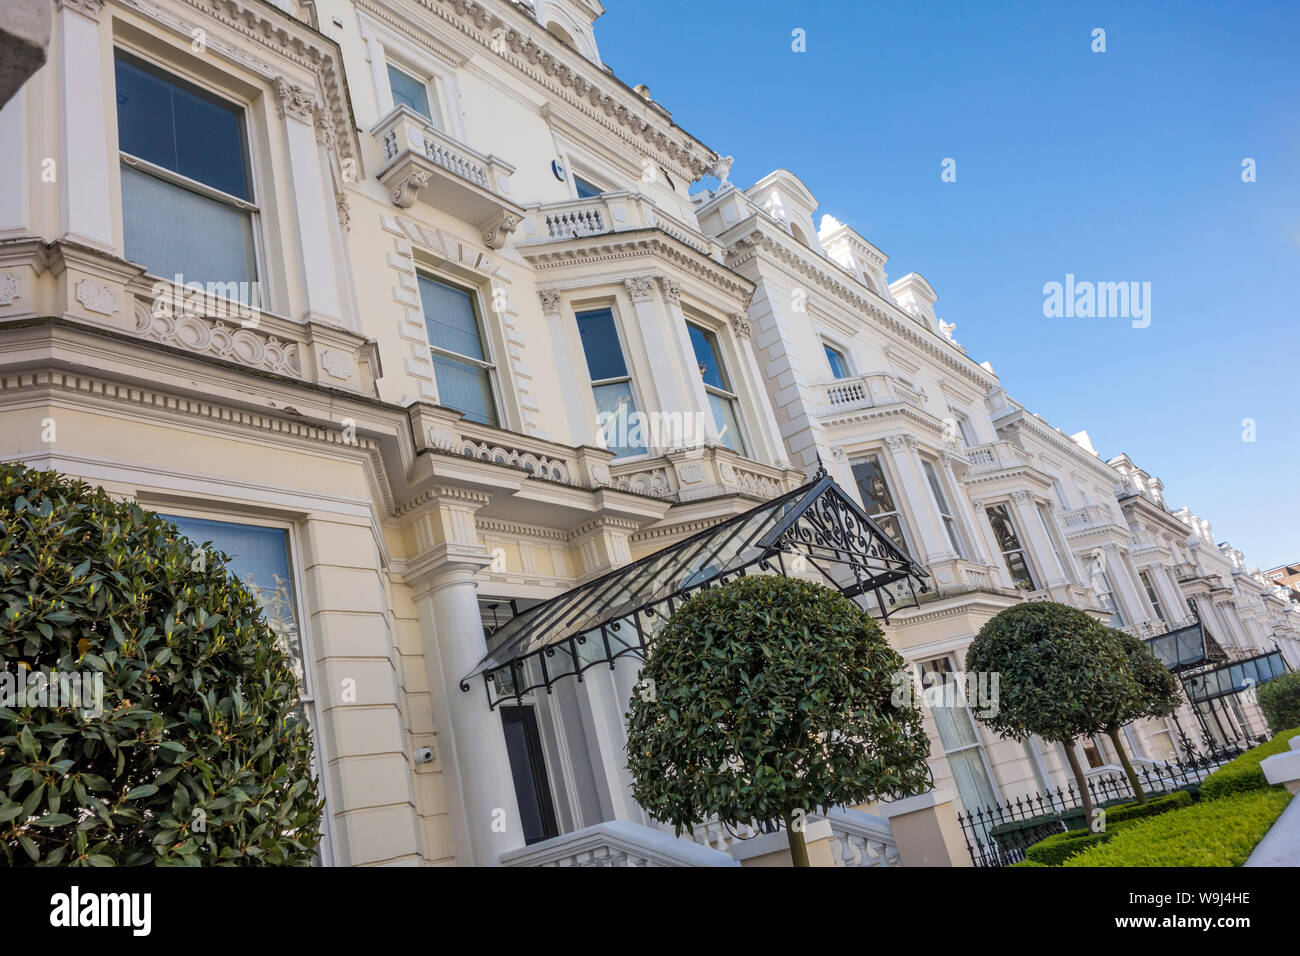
(243,346)
(740,325)
(98,296)
(344,209)
(336,364)
(640,288)
(407,189)
(550,299)
(291,100)
(495,235)
(8,288)
(87,8)
(672,291)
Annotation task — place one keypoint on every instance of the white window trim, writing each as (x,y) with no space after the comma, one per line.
(849,367)
(723,354)
(595,305)
(489,363)
(260,282)
(905,518)
(297,568)
(963,551)
(1035,573)
(979,743)
(383,46)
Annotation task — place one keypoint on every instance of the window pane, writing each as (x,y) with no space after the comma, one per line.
(259,557)
(449,318)
(171,230)
(935,487)
(872,486)
(466,388)
(705,344)
(585,189)
(1003,530)
(601,345)
(839,368)
(615,408)
(408,91)
(178,127)
(1020,575)
(724,417)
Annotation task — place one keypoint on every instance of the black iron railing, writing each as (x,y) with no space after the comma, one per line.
(999,834)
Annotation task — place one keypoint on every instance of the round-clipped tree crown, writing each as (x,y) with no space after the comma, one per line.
(765,696)
(1061,674)
(157,718)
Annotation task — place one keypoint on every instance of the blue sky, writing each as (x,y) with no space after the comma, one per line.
(1115,166)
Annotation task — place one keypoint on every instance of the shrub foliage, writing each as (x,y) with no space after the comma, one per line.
(198,753)
(1279,699)
(1243,774)
(765,696)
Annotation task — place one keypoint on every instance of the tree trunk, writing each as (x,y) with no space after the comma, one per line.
(1084,797)
(798,848)
(1138,792)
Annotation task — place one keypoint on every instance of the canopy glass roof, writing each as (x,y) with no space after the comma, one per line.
(816,531)
(1235,676)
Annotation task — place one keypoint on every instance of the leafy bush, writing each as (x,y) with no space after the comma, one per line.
(197,753)
(1056,849)
(1279,699)
(1211,833)
(770,695)
(1155,807)
(1243,774)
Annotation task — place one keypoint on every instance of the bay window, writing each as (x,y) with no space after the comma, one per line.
(958,738)
(611,383)
(461,364)
(877,499)
(188,204)
(1145,578)
(941,503)
(1013,552)
(722,400)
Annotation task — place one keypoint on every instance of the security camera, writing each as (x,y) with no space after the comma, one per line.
(424,755)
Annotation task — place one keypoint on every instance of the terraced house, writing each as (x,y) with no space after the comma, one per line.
(423,315)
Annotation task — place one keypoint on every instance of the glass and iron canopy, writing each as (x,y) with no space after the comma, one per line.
(1184,647)
(815,532)
(1234,677)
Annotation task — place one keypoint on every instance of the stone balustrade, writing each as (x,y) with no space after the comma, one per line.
(996,456)
(618,843)
(611,212)
(864,391)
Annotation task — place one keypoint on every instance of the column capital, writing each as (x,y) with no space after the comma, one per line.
(640,288)
(87,8)
(740,325)
(295,101)
(550,299)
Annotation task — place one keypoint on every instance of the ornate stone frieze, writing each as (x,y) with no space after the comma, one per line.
(98,296)
(206,336)
(291,100)
(672,291)
(8,288)
(740,325)
(550,299)
(640,288)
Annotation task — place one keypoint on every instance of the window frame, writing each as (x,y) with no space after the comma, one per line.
(611,306)
(1021,548)
(728,393)
(1144,576)
(829,347)
(309,700)
(485,342)
(918,669)
(947,518)
(171,71)
(432,89)
(437,74)
(880,458)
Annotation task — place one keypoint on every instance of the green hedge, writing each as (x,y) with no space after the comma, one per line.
(1212,833)
(1059,847)
(1243,774)
(1279,699)
(1152,808)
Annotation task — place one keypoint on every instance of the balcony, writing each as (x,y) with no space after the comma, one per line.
(617,843)
(610,212)
(996,456)
(1087,517)
(421,161)
(864,391)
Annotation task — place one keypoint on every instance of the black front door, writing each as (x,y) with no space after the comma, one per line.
(528,767)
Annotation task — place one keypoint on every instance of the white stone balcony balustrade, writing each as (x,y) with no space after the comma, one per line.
(618,843)
(421,161)
(610,212)
(1089,516)
(996,456)
(864,391)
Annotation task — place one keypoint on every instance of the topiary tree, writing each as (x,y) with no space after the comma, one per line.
(767,697)
(1279,699)
(196,751)
(1061,676)
(1155,694)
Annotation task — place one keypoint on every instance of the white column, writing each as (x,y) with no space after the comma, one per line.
(83,168)
(1030,531)
(912,495)
(479,786)
(313,203)
(764,431)
(15,209)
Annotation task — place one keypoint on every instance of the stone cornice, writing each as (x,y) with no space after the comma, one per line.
(1061,443)
(763,240)
(515,38)
(633,244)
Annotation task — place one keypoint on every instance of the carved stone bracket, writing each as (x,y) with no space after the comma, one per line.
(495,235)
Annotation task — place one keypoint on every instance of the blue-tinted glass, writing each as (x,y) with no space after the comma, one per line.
(706,354)
(619,422)
(836,360)
(177,127)
(585,189)
(600,343)
(408,91)
(259,557)
(449,318)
